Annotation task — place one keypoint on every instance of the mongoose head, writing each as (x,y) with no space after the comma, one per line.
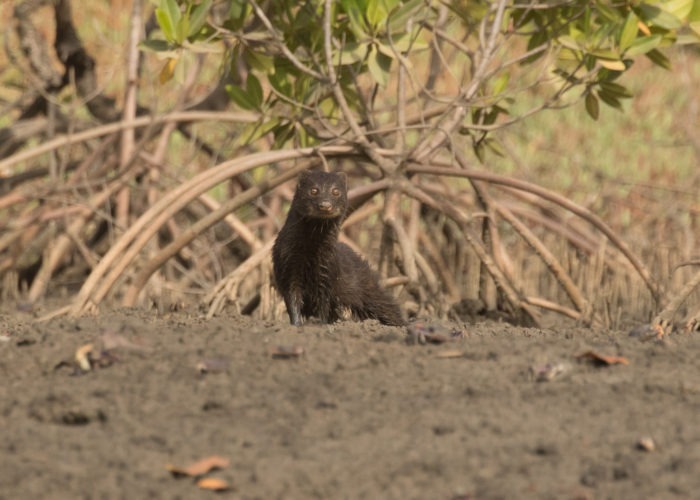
(321,195)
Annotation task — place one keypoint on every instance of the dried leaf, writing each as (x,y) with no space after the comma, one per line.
(82,357)
(168,70)
(646,443)
(643,28)
(200,467)
(287,351)
(602,360)
(450,354)
(213,484)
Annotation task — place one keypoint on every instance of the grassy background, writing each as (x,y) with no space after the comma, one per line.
(646,149)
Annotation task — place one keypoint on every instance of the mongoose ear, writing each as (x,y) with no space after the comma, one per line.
(343,177)
(304,174)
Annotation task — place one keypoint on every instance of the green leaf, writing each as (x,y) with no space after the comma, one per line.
(282,134)
(378,65)
(183,27)
(643,45)
(304,137)
(479,151)
(168,16)
(657,17)
(694,14)
(565,55)
(352,53)
(609,99)
(199,17)
(255,131)
(629,32)
(491,114)
(688,39)
(238,9)
(238,12)
(240,97)
(400,16)
(616,90)
(404,43)
(495,146)
(569,42)
(694,18)
(357,21)
(659,59)
(500,83)
(386,50)
(259,62)
(391,5)
(328,108)
(254,90)
(613,55)
(607,12)
(679,8)
(695,26)
(376,13)
(537,39)
(592,105)
(280,82)
(155,45)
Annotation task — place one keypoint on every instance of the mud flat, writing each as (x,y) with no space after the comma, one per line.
(344,411)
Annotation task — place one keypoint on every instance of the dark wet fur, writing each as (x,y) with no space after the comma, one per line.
(317,275)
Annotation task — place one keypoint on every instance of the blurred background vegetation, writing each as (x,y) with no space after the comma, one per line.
(630,157)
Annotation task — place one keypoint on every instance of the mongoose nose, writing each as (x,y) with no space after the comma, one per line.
(325,206)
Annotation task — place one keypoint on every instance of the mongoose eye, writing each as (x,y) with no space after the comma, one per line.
(335,192)
(313,191)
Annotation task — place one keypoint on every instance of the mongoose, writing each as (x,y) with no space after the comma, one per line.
(315,273)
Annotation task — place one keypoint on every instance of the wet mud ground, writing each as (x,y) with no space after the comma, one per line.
(500,412)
